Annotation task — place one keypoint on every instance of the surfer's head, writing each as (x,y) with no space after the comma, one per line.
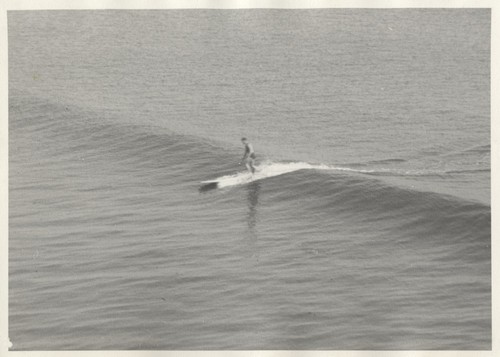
(244,140)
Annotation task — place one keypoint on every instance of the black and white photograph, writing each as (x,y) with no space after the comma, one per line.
(250,179)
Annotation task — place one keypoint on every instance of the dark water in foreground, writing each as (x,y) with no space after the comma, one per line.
(112,246)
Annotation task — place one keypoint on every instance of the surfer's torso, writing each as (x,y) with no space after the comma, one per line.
(249,151)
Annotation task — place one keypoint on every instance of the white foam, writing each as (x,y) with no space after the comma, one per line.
(272,169)
(265,170)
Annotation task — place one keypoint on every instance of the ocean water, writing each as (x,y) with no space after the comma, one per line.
(368,225)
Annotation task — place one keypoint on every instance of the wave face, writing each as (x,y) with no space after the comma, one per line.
(417,213)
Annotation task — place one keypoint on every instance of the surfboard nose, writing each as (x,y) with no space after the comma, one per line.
(208,186)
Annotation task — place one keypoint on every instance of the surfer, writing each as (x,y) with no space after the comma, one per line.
(248,156)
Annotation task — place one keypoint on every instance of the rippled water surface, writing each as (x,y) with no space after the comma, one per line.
(368,227)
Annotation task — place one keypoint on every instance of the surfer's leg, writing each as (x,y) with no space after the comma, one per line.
(252,168)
